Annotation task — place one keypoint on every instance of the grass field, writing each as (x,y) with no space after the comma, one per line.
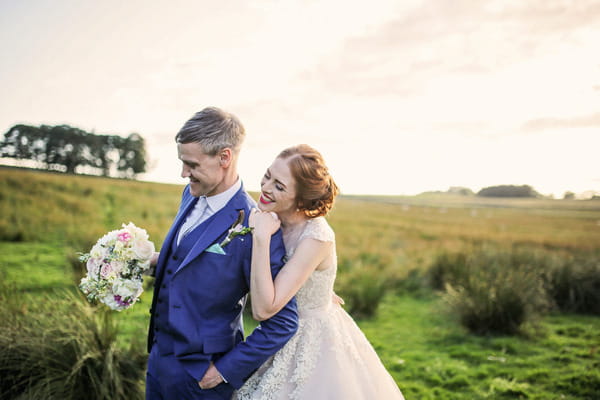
(46,218)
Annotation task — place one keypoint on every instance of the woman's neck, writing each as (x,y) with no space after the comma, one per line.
(291,220)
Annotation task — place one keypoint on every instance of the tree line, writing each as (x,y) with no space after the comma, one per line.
(498,191)
(508,191)
(72,150)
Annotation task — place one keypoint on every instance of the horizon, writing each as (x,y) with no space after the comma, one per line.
(452,190)
(399,98)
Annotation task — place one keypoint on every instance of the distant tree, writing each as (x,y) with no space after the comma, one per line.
(100,153)
(508,191)
(65,148)
(463,191)
(24,142)
(132,155)
(568,195)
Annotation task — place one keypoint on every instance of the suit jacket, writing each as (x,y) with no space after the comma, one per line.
(207,294)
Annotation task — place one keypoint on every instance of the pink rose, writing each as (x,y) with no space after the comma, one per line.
(106,270)
(124,236)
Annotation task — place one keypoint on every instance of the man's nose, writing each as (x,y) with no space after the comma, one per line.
(185,172)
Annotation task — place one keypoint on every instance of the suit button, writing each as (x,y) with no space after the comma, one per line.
(156,329)
(175,258)
(164,286)
(169,271)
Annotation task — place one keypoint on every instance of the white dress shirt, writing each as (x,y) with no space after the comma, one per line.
(205,208)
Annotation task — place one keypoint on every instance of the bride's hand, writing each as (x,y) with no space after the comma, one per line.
(265,224)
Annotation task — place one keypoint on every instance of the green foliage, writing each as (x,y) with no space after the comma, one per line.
(574,284)
(448,268)
(362,284)
(66,149)
(495,290)
(491,290)
(508,191)
(59,347)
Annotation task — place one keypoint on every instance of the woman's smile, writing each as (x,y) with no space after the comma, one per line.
(264,199)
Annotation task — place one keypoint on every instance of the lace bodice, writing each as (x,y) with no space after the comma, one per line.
(316,291)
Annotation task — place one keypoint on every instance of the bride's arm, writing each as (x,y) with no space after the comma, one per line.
(268,296)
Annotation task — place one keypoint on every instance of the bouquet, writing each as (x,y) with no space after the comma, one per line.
(115,265)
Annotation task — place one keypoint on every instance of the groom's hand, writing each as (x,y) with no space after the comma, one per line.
(211,378)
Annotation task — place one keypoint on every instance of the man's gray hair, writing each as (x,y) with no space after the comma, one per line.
(214,129)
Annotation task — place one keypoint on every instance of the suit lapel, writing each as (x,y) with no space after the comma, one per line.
(216,226)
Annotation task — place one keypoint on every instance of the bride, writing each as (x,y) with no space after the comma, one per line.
(329,357)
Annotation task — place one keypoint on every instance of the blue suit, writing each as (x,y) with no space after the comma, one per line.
(197,307)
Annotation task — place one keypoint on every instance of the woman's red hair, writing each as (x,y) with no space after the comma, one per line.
(316,189)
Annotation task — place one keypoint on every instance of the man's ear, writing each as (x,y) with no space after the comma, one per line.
(225,157)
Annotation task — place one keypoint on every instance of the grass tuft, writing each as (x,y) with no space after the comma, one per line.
(63,348)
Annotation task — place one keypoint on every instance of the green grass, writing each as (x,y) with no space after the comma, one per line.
(47,217)
(431,357)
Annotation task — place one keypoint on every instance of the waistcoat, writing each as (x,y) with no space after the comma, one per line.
(162,330)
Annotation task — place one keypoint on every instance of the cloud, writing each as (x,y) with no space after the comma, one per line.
(468,37)
(583,121)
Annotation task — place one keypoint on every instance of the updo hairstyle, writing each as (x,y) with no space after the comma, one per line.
(316,189)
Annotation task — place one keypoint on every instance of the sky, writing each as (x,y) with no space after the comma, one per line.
(400,97)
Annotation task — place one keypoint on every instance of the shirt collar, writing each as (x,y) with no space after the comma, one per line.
(218,201)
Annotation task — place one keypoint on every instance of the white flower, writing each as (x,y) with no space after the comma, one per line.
(238,228)
(137,233)
(93,266)
(127,288)
(98,252)
(117,266)
(109,300)
(143,249)
(119,246)
(144,265)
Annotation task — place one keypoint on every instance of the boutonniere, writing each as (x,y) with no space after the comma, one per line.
(236,229)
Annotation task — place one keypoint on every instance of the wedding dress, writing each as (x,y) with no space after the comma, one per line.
(329,357)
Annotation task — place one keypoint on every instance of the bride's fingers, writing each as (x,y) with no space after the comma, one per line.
(252,217)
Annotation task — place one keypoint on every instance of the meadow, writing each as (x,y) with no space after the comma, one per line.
(386,248)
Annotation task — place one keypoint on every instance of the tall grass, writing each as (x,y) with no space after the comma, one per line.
(500,290)
(362,284)
(574,283)
(59,347)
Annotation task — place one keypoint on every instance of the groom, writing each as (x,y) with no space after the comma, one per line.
(195,339)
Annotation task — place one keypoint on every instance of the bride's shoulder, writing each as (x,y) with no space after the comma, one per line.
(318,228)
